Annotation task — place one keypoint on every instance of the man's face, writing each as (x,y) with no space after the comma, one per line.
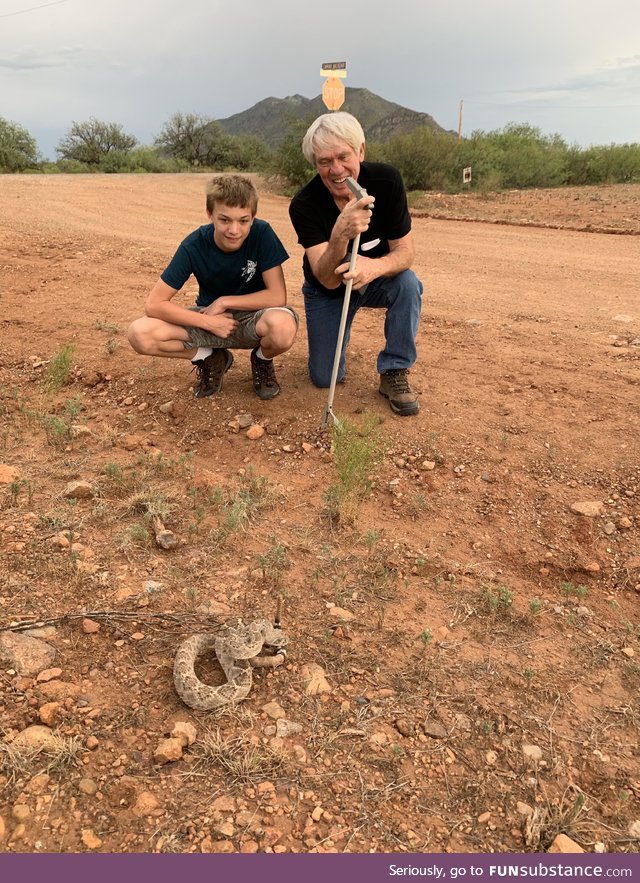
(336,163)
(231,226)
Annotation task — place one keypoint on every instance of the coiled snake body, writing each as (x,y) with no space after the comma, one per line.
(238,652)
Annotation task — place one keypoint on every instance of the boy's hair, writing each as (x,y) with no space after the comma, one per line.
(232,190)
(329,128)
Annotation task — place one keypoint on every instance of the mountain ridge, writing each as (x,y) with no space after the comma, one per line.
(381,119)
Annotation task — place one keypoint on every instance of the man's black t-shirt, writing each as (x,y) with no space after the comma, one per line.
(313,213)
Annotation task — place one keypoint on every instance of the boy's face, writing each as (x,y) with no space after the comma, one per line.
(231,225)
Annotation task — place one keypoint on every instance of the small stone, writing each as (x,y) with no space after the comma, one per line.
(90,626)
(3,829)
(184,731)
(20,812)
(90,840)
(629,651)
(564,844)
(609,528)
(314,680)
(166,408)
(87,786)
(523,809)
(168,751)
(37,737)
(274,711)
(532,752)
(341,614)
(285,728)
(306,447)
(625,523)
(405,727)
(634,829)
(429,465)
(8,474)
(49,713)
(48,675)
(491,757)
(78,490)
(146,804)
(484,817)
(588,508)
(316,815)
(91,743)
(244,421)
(434,729)
(255,432)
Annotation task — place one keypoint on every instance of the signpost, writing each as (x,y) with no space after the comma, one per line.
(333,89)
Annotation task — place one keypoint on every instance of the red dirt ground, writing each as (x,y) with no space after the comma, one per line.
(484,616)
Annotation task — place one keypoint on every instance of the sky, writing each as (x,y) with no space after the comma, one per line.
(570,67)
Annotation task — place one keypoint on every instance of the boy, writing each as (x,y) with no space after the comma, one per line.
(237,260)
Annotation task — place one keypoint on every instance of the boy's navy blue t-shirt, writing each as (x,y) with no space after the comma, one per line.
(221,273)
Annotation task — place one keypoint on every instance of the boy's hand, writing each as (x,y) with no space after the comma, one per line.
(218,321)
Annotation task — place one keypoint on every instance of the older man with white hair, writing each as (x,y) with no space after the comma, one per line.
(327,218)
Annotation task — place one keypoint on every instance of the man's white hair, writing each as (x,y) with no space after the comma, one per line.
(323,133)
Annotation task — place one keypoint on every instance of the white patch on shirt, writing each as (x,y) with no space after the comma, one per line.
(249,270)
(367,246)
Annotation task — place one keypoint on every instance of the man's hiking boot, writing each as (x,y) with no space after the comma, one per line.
(210,373)
(264,377)
(394,385)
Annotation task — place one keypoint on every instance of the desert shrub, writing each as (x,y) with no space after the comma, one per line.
(18,151)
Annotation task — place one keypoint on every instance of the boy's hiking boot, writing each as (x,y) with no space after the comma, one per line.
(210,373)
(264,377)
(394,385)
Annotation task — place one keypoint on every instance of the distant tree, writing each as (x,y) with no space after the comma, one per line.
(90,142)
(18,150)
(197,140)
(289,162)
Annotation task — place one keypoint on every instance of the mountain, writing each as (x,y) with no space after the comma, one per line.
(380,119)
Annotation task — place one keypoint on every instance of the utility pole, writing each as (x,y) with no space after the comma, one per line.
(460,120)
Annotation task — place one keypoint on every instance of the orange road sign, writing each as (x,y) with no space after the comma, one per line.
(333,93)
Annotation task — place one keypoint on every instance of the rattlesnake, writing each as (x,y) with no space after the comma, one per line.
(237,650)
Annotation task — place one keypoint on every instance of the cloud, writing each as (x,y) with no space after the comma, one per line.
(30,59)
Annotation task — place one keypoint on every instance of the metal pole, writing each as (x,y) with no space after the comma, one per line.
(343,321)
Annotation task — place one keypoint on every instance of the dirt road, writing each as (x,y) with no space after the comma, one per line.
(478,636)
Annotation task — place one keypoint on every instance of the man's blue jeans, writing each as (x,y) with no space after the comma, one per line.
(400,295)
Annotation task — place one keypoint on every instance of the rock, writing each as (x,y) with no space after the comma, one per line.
(88,787)
(532,752)
(634,829)
(434,729)
(491,758)
(49,713)
(48,674)
(26,655)
(255,432)
(314,680)
(166,539)
(78,490)
(625,523)
(341,614)
(285,728)
(80,431)
(429,465)
(20,812)
(564,844)
(609,528)
(91,743)
(629,651)
(484,817)
(8,474)
(523,809)
(166,408)
(300,753)
(224,803)
(306,447)
(588,508)
(316,815)
(168,751)
(90,626)
(90,839)
(274,710)
(3,829)
(184,731)
(216,846)
(146,804)
(37,737)
(244,421)
(405,727)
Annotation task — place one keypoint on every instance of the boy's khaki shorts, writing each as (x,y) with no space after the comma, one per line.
(243,338)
